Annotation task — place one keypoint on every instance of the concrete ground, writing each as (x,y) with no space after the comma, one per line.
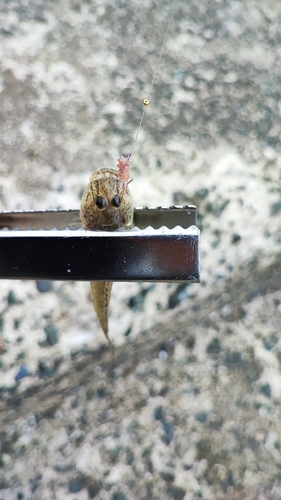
(188,405)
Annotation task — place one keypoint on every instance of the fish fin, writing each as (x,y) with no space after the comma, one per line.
(101,292)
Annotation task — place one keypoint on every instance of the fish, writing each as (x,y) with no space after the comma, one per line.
(107,205)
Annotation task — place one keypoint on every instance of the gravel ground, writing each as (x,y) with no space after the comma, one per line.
(187,407)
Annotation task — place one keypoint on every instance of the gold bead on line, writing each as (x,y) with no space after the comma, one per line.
(145,102)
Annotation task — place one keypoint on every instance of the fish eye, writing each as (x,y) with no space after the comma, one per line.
(116,200)
(100,202)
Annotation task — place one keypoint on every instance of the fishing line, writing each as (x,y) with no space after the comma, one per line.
(145,102)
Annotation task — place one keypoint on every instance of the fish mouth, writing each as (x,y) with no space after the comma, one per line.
(109,228)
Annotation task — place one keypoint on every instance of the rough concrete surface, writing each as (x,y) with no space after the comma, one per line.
(187,407)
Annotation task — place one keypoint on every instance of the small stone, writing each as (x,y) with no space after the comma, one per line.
(94,488)
(90,394)
(101,388)
(235,238)
(163,355)
(130,456)
(3,483)
(44,286)
(233,359)
(35,481)
(176,492)
(168,475)
(76,484)
(119,495)
(275,208)
(201,417)
(16,324)
(214,347)
(190,341)
(159,413)
(136,302)
(116,372)
(39,416)
(21,355)
(266,390)
(46,367)
(169,432)
(12,299)
(23,372)
(5,459)
(178,295)
(202,193)
(179,198)
(203,448)
(128,331)
(52,336)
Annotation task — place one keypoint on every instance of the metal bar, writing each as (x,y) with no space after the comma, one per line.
(135,255)
(156,217)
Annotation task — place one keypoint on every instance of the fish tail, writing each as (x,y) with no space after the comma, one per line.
(101,292)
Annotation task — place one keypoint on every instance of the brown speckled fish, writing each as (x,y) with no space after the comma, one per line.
(107,204)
